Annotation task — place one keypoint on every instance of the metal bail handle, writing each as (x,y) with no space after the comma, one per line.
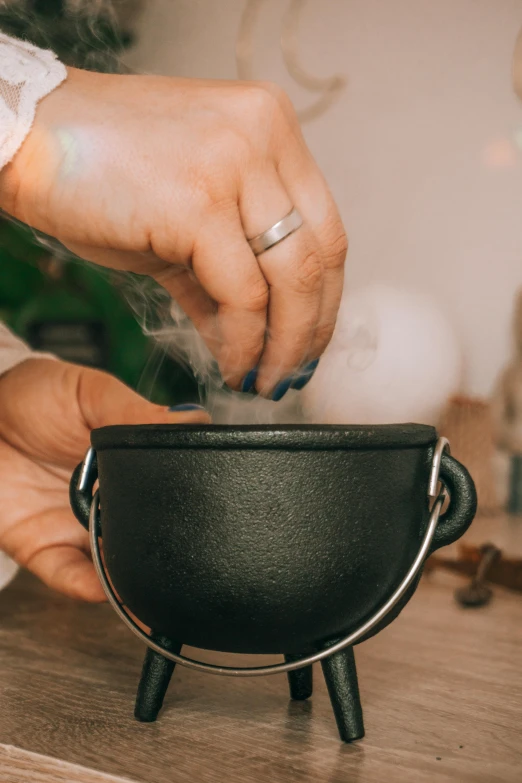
(280,668)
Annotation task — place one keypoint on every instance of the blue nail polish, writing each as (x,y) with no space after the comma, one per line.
(187,406)
(281,389)
(249,381)
(305,376)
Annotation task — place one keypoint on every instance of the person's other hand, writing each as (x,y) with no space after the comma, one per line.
(48,410)
(165,177)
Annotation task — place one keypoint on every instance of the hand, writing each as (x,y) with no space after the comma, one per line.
(165,177)
(48,410)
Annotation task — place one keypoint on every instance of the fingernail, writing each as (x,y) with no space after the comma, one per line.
(305,376)
(281,389)
(187,406)
(249,381)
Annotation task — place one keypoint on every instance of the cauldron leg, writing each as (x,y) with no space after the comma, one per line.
(341,679)
(155,678)
(300,680)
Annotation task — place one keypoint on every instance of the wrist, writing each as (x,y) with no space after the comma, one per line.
(26,182)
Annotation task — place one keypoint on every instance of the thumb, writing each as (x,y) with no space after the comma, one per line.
(49,408)
(104,400)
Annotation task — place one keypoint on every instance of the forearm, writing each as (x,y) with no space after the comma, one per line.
(35,48)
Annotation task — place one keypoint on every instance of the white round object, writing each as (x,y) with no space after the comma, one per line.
(393,359)
(8,570)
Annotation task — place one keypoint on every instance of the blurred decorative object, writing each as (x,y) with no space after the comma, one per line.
(8,570)
(329,89)
(394,358)
(66,317)
(517,66)
(477,593)
(497,568)
(467,423)
(507,414)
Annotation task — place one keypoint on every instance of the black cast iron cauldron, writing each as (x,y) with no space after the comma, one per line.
(295,540)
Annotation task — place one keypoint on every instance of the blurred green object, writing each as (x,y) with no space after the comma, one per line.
(72,309)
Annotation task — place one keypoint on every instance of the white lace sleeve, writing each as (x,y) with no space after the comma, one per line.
(27,74)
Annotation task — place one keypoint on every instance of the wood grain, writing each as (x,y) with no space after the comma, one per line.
(21,766)
(441,690)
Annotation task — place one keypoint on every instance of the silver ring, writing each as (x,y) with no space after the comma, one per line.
(277,233)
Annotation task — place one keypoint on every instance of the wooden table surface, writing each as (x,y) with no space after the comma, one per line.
(441,690)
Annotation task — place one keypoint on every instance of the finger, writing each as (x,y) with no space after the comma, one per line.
(54,547)
(228,271)
(186,290)
(142,263)
(69,571)
(91,399)
(104,400)
(310,194)
(178,280)
(293,269)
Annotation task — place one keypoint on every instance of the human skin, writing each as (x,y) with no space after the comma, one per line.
(48,409)
(167,177)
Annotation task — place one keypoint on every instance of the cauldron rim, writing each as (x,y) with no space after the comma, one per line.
(287,437)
